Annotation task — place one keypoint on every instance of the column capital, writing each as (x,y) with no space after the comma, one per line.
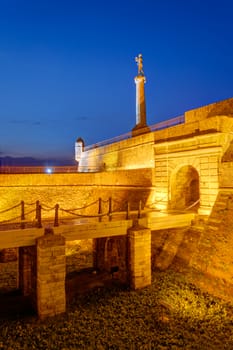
(140,79)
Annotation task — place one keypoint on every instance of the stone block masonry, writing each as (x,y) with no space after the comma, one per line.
(51,271)
(8,276)
(139,256)
(8,269)
(224,107)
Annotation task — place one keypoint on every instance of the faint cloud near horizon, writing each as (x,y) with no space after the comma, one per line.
(25,121)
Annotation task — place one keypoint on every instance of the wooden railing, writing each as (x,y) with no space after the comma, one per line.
(31,214)
(25,215)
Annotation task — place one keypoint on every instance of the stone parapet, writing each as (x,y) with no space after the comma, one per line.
(224,107)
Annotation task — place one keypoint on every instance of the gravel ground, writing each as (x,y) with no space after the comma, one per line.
(170,314)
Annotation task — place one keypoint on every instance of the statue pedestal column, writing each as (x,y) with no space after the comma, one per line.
(141,125)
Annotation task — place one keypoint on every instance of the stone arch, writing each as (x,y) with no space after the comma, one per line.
(185,188)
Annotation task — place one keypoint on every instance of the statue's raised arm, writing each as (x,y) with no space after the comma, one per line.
(138,59)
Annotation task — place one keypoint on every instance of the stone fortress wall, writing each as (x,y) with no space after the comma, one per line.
(193,158)
(157,167)
(73,190)
(200,143)
(138,151)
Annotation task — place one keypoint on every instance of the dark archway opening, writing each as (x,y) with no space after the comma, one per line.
(185,191)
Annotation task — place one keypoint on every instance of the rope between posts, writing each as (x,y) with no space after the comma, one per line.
(47,206)
(15,206)
(9,220)
(83,216)
(29,204)
(49,209)
(86,206)
(29,212)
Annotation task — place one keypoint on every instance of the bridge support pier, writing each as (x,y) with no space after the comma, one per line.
(51,271)
(139,256)
(27,272)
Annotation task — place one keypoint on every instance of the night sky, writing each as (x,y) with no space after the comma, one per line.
(67,67)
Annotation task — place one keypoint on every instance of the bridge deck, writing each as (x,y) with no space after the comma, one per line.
(79,230)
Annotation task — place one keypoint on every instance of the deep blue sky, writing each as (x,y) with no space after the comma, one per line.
(67,67)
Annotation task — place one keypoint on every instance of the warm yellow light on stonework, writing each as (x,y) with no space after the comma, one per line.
(157,200)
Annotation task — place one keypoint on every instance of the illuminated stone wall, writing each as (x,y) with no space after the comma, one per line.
(226,174)
(165,245)
(72,191)
(224,107)
(133,153)
(137,152)
(204,251)
(171,164)
(8,269)
(8,276)
(201,143)
(214,252)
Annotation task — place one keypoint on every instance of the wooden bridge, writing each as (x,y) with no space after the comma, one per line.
(122,242)
(86,228)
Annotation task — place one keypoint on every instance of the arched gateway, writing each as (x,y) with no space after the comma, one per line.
(185,190)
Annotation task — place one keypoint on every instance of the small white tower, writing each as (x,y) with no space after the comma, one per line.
(79,148)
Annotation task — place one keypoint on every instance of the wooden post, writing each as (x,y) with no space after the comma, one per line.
(39,224)
(128,211)
(110,209)
(22,215)
(139,209)
(37,209)
(56,223)
(100,209)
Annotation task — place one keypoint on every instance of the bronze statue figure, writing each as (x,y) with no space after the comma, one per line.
(138,59)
